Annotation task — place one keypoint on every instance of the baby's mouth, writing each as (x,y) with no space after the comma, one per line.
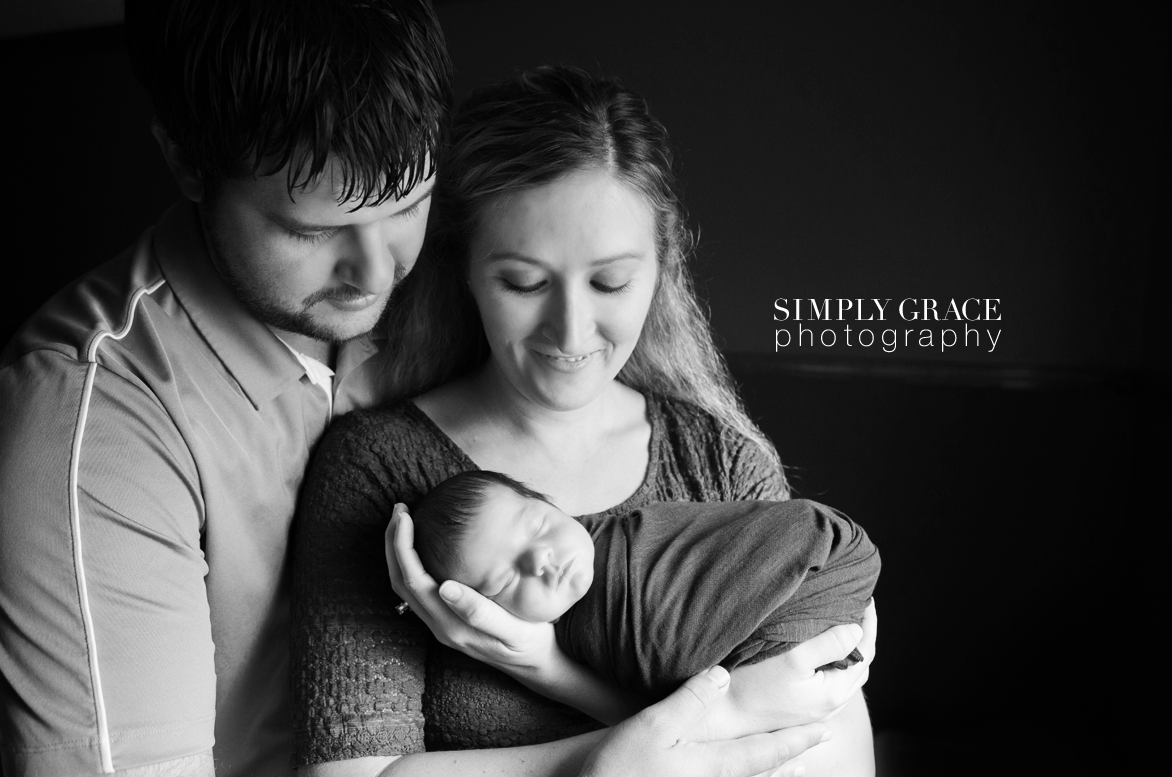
(563,573)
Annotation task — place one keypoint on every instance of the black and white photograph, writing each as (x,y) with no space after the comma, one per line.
(607,389)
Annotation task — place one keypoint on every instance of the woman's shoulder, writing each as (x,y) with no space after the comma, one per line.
(378,456)
(688,445)
(370,428)
(683,419)
(701,458)
(384,439)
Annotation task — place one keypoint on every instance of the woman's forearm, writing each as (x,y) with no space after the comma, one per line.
(653,742)
(563,758)
(578,686)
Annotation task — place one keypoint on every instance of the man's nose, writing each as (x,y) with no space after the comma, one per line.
(368,263)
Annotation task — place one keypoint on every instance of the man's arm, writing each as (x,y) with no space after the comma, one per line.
(105,635)
(198,765)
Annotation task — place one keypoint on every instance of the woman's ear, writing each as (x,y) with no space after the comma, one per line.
(186,175)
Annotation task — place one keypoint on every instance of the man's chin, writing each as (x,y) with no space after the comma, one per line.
(339,329)
(325,322)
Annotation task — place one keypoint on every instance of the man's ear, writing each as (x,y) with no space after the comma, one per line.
(186,175)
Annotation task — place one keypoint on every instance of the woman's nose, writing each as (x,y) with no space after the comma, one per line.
(571,321)
(367,262)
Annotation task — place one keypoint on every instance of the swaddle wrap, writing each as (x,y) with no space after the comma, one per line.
(681,586)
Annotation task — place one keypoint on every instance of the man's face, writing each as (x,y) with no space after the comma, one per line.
(526,555)
(308,264)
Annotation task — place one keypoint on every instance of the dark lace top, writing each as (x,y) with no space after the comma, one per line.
(368,681)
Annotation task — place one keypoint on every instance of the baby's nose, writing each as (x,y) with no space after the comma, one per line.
(539,562)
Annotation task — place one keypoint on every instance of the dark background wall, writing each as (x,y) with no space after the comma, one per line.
(843,149)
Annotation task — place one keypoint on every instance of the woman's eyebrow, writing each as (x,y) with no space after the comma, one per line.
(513,256)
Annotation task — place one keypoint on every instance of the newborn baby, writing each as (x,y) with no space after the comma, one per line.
(650,598)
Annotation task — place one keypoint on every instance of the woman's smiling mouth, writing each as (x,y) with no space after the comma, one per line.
(566,363)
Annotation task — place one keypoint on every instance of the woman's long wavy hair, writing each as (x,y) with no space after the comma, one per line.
(525,133)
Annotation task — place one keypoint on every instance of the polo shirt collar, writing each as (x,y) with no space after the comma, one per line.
(260,363)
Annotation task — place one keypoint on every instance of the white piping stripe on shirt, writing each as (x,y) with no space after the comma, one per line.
(75,525)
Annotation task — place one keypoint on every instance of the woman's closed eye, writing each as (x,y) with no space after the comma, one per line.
(608,286)
(522,286)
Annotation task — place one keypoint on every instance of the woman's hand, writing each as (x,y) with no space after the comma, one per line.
(460,617)
(789,689)
(656,740)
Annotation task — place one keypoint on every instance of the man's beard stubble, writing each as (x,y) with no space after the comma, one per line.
(270,312)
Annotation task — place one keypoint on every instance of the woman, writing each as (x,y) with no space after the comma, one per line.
(551,333)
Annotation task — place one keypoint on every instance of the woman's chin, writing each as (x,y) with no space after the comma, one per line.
(567,395)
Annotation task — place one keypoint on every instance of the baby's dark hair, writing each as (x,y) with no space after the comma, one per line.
(443,517)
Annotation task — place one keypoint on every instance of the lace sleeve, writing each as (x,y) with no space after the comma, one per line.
(357,665)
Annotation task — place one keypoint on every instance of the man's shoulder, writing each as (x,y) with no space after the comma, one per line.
(98,306)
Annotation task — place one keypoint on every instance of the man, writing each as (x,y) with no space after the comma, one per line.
(157,415)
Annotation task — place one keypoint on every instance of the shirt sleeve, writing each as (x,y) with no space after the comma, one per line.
(105,636)
(358,666)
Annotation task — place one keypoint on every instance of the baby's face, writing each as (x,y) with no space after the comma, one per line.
(526,555)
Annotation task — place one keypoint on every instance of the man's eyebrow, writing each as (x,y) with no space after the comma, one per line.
(514,256)
(301,226)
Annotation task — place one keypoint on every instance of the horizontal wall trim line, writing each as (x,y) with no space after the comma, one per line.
(745,365)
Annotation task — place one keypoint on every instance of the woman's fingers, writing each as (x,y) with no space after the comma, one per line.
(850,680)
(393,570)
(829,646)
(458,616)
(692,700)
(655,741)
(408,577)
(496,636)
(759,753)
(870,632)
(415,577)
(838,685)
(463,619)
(483,615)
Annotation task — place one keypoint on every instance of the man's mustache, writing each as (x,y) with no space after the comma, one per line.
(348,293)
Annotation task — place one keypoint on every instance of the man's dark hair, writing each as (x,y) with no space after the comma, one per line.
(443,517)
(245,87)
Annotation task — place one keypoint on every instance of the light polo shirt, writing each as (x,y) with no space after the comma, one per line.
(319,375)
(153,438)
